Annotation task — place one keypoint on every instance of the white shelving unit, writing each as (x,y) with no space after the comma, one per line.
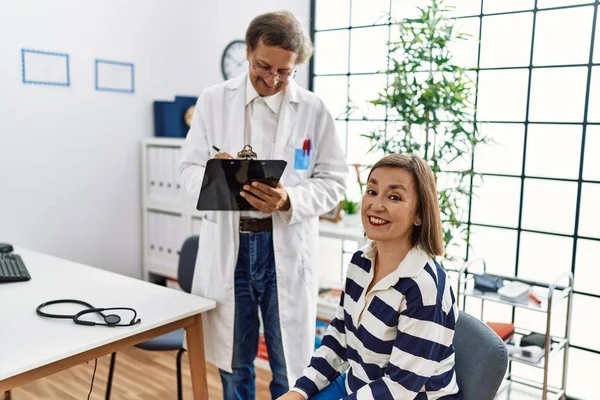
(553,296)
(168,214)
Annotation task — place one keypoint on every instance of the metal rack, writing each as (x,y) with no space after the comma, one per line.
(556,294)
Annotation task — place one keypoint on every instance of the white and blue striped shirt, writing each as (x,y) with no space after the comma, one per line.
(395,342)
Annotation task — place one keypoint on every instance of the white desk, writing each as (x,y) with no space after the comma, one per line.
(32,347)
(348,228)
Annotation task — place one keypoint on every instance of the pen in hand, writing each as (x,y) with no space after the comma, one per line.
(220,155)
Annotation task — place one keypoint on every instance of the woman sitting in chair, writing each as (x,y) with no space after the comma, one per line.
(393,331)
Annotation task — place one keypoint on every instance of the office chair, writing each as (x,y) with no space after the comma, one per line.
(172,340)
(481,358)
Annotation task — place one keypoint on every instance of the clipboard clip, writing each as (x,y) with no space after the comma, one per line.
(247,153)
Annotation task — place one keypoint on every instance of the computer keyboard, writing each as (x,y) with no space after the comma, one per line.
(12,268)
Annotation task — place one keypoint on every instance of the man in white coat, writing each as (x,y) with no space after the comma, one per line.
(264,260)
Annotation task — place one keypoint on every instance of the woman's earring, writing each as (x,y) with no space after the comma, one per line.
(418,222)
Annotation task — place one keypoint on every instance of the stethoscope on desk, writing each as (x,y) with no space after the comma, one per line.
(109,319)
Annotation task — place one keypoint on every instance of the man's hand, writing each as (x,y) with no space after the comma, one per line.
(223,156)
(265,198)
(291,395)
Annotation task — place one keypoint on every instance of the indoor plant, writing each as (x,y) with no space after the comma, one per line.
(429,103)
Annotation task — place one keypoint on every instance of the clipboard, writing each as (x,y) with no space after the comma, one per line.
(224,179)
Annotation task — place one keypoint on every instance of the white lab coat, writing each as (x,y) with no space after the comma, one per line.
(219,121)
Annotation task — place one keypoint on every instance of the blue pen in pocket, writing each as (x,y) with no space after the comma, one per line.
(302,156)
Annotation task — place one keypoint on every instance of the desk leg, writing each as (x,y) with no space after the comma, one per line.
(195,344)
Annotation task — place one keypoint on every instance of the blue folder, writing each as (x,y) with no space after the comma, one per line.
(169,116)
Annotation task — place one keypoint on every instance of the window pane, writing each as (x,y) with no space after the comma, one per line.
(523,392)
(496,201)
(358,146)
(333,90)
(583,332)
(501,47)
(553,150)
(563,36)
(450,180)
(579,384)
(549,206)
(496,6)
(558,3)
(464,7)
(464,52)
(369,12)
(331,52)
(537,263)
(364,88)
(502,95)
(597,42)
(536,321)
(355,176)
(558,94)
(457,249)
(504,153)
(496,312)
(594,105)
(369,49)
(589,217)
(332,14)
(587,273)
(499,259)
(591,160)
(407,8)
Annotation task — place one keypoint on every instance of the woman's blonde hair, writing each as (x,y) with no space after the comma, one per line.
(429,234)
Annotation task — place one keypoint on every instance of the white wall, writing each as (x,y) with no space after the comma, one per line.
(69,156)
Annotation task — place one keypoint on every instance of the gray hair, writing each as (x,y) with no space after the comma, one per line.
(281,29)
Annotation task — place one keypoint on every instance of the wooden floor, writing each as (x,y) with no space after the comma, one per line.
(139,374)
(150,375)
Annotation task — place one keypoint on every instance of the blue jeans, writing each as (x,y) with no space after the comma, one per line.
(255,288)
(336,390)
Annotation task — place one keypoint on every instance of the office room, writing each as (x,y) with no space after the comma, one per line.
(192,191)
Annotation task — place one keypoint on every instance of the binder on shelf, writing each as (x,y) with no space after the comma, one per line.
(163,177)
(161,235)
(152,169)
(178,190)
(170,172)
(151,235)
(169,116)
(162,173)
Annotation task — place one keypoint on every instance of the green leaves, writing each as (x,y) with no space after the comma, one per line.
(350,207)
(431,99)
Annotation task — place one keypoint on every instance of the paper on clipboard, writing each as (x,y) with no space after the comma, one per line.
(224,179)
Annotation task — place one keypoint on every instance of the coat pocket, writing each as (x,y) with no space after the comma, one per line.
(299,166)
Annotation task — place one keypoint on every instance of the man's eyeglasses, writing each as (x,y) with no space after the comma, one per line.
(282,76)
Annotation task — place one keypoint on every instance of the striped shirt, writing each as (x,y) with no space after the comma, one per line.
(394,342)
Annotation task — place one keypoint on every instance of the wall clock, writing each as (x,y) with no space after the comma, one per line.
(233,61)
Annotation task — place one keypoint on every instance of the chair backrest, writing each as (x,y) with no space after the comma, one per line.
(187,263)
(481,358)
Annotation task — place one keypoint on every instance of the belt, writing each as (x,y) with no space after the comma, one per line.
(248,225)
